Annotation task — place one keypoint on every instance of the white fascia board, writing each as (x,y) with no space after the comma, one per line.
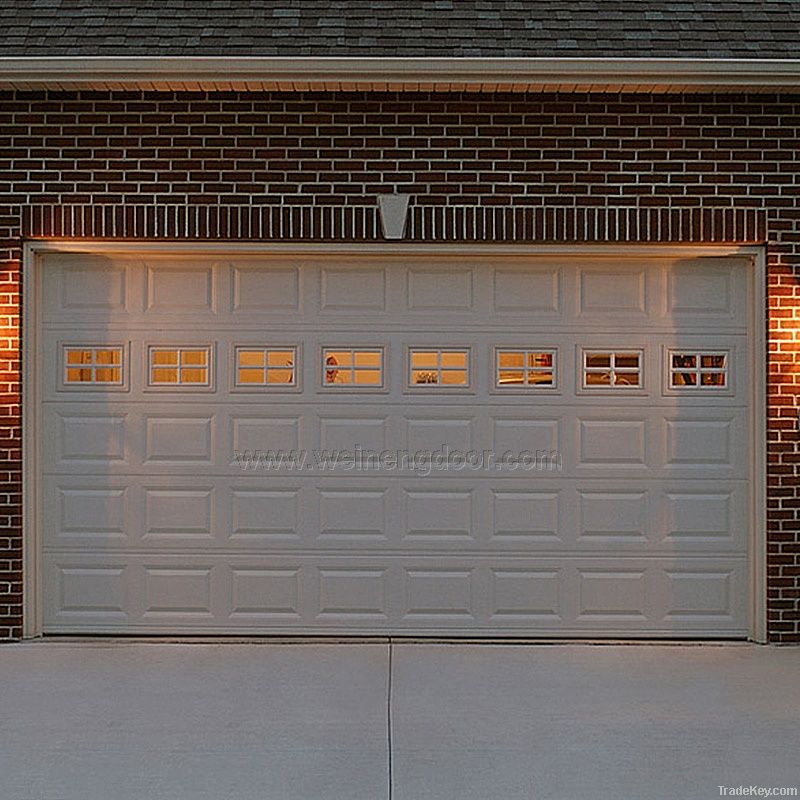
(664,74)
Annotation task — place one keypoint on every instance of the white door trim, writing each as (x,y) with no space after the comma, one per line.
(31,370)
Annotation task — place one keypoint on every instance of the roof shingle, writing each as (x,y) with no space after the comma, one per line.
(360,28)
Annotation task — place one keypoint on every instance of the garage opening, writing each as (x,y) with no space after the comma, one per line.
(411,443)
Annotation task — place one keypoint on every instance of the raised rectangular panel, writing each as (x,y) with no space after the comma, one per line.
(92,590)
(356,592)
(536,436)
(612,442)
(353,290)
(525,514)
(520,593)
(100,512)
(440,513)
(699,292)
(100,287)
(265,433)
(178,439)
(617,593)
(171,590)
(352,512)
(526,290)
(178,512)
(263,512)
(439,593)
(93,438)
(698,442)
(440,290)
(438,435)
(266,289)
(266,592)
(693,593)
(609,291)
(613,514)
(699,514)
(180,289)
(348,435)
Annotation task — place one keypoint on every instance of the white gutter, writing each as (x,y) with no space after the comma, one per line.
(657,74)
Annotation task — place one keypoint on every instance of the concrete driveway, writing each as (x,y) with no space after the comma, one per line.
(133,721)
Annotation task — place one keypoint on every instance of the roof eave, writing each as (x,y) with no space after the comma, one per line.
(400,74)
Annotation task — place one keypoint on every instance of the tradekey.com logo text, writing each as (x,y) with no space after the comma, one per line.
(420,462)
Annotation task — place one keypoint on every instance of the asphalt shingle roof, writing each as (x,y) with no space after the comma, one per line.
(457,28)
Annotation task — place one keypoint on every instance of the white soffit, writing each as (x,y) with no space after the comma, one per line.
(188,73)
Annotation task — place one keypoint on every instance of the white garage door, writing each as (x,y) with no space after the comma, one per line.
(239,444)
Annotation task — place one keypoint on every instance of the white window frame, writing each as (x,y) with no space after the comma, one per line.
(526,387)
(151,386)
(613,370)
(323,368)
(438,369)
(93,385)
(698,371)
(294,386)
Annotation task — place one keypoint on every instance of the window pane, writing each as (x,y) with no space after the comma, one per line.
(251,358)
(280,358)
(107,375)
(712,361)
(684,379)
(341,358)
(164,357)
(424,376)
(684,361)
(598,359)
(626,360)
(598,379)
(77,375)
(193,375)
(79,356)
(543,378)
(367,358)
(540,359)
(251,376)
(511,378)
(712,379)
(454,359)
(106,357)
(165,375)
(285,376)
(626,379)
(511,359)
(423,358)
(368,377)
(455,377)
(195,358)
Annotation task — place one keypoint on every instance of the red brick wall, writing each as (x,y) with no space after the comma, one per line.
(622,167)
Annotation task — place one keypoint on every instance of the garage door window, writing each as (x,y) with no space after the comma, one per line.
(527,369)
(93,366)
(612,369)
(352,367)
(266,366)
(182,366)
(438,367)
(693,370)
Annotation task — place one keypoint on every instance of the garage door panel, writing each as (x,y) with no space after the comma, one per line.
(244,504)
(404,594)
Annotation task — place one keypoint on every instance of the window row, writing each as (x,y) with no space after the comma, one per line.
(274,367)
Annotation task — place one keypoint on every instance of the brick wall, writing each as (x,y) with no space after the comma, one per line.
(571,167)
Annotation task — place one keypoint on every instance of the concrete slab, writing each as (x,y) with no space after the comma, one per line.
(573,722)
(129,722)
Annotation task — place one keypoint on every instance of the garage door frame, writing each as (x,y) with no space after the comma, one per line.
(31,371)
